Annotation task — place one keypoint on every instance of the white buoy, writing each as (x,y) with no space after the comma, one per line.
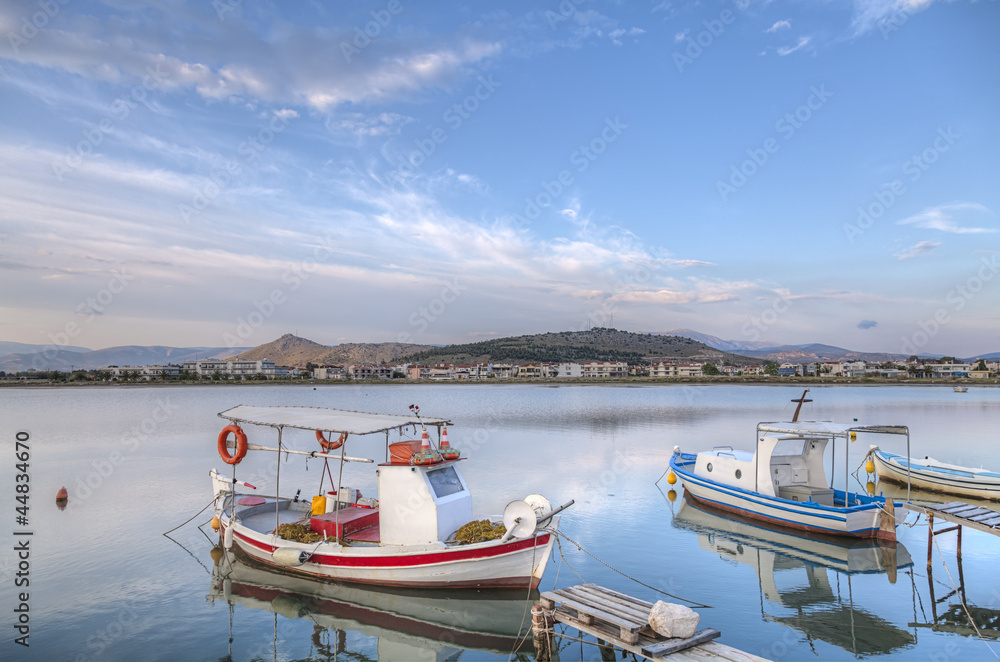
(289,556)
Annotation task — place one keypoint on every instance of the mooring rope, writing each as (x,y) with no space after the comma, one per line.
(191,518)
(627,576)
(961,598)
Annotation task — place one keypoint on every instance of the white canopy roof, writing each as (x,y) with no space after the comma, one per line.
(321,418)
(828,428)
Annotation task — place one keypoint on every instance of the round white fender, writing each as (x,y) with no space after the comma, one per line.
(289,556)
(227,539)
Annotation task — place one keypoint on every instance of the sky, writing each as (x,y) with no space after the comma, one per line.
(219,174)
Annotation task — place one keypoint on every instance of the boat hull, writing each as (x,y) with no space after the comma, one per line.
(893,468)
(518,563)
(861,521)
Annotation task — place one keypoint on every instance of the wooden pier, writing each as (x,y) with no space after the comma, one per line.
(960,514)
(617,619)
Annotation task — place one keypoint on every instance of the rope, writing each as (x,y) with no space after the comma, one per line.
(961,599)
(191,518)
(637,581)
(527,601)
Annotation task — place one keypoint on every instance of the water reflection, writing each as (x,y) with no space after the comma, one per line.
(794,573)
(407,624)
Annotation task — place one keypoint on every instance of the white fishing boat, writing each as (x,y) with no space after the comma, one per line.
(934,475)
(407,537)
(784,481)
(961,389)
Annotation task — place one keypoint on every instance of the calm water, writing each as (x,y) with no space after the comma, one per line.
(105,584)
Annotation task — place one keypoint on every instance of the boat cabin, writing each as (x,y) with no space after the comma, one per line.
(785,466)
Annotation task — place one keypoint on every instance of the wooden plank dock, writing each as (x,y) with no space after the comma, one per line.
(960,514)
(622,620)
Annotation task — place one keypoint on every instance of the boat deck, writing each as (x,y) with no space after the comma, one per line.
(359,525)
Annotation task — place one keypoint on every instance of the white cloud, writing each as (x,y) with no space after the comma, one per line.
(682,35)
(779,25)
(788,50)
(941,218)
(869,14)
(917,250)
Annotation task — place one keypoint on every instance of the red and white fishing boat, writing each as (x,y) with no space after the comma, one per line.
(405,538)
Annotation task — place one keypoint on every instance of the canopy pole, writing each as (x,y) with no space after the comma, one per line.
(277,483)
(340,486)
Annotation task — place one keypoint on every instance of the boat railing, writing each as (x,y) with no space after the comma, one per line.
(719,448)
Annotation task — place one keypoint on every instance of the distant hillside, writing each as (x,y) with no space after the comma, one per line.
(65,360)
(817,352)
(737,346)
(291,350)
(595,345)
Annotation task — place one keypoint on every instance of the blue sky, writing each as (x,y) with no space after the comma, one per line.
(222,173)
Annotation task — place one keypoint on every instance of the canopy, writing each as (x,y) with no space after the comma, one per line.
(327,420)
(828,428)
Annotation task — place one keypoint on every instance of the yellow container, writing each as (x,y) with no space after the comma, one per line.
(318,505)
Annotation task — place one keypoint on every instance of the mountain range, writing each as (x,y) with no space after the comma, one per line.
(593,345)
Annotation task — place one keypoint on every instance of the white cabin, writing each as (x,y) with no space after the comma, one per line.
(421,504)
(784,466)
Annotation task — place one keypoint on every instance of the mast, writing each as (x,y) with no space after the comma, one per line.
(801,400)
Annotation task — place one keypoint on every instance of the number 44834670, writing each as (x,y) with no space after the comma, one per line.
(21,452)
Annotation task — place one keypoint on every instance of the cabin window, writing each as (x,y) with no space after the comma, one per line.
(444,481)
(739,474)
(709,466)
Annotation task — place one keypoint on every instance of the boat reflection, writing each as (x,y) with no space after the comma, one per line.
(792,570)
(409,624)
(918,496)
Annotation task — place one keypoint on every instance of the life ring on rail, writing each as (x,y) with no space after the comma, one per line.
(330,445)
(241,444)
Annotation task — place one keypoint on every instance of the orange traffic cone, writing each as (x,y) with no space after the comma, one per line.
(426,454)
(447,452)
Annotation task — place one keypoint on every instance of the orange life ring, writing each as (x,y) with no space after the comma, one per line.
(330,445)
(241,444)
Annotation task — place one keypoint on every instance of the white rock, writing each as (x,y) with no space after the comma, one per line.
(672,620)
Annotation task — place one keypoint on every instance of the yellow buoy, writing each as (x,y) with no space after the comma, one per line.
(870,467)
(871,488)
(854,436)
(672,495)
(671,478)
(216,554)
(216,523)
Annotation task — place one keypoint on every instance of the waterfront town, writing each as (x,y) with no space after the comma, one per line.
(266,369)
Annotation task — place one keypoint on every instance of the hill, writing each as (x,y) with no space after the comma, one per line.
(291,350)
(717,342)
(598,344)
(52,357)
(817,352)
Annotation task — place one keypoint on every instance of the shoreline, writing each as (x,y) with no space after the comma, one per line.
(638,381)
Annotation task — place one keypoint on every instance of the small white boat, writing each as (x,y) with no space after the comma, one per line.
(933,475)
(405,538)
(961,389)
(784,481)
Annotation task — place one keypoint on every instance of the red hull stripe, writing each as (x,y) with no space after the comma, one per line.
(410,559)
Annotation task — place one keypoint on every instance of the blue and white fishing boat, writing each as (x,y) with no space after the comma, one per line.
(933,475)
(785,482)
